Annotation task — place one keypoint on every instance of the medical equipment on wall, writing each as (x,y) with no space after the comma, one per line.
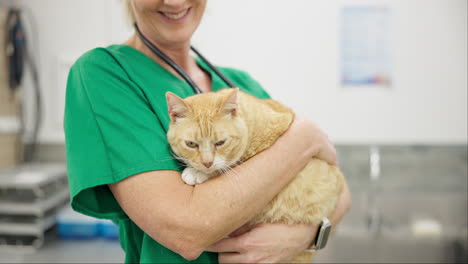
(9,110)
(177,68)
(17,137)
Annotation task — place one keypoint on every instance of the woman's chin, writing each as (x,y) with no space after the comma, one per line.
(177,37)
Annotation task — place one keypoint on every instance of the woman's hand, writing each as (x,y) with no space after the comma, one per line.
(265,243)
(273,243)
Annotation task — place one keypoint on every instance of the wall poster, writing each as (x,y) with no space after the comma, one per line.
(365,46)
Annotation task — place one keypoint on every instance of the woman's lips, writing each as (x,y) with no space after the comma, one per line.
(175,17)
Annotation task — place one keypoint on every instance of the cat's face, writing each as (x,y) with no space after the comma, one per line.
(206,130)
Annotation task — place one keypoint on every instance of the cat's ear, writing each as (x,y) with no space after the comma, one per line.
(176,106)
(231,102)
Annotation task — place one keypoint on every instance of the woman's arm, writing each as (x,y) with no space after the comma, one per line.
(187,219)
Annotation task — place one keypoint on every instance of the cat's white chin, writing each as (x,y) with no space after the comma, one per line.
(211,171)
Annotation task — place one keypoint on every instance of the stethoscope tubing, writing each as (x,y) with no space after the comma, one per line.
(177,68)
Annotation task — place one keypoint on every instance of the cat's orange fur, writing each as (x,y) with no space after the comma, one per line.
(252,125)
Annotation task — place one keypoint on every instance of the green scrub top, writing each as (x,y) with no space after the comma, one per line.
(115,126)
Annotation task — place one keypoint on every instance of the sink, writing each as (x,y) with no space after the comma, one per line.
(396,241)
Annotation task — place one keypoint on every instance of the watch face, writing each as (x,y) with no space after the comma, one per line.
(324,232)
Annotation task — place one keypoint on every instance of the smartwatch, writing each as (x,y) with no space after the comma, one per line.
(321,238)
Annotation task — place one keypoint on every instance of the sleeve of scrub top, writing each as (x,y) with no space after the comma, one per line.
(111,133)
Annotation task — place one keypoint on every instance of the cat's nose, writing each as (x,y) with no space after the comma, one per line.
(207,164)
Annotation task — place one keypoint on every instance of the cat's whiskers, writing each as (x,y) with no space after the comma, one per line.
(181,166)
(179,158)
(232,177)
(186,161)
(168,158)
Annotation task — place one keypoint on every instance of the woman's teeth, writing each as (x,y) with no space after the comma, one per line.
(177,15)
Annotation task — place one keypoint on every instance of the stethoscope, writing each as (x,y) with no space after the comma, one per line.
(177,68)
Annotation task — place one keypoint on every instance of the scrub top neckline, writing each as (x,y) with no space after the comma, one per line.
(216,81)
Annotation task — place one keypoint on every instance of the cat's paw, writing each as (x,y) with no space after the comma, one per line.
(201,178)
(192,176)
(188,176)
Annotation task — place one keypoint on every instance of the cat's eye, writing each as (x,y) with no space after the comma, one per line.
(220,143)
(191,144)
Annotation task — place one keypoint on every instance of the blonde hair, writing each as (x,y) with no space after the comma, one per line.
(129,14)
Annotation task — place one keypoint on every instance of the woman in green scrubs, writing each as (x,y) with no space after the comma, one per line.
(120,166)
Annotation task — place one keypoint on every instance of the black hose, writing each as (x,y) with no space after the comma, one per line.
(19,56)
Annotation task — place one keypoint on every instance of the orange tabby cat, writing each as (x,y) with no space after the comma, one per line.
(213,132)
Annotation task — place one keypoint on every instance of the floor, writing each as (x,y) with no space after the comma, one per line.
(57,251)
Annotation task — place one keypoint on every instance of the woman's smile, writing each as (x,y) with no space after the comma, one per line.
(175,17)
(168,23)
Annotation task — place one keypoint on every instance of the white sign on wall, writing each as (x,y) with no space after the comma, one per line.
(365,46)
